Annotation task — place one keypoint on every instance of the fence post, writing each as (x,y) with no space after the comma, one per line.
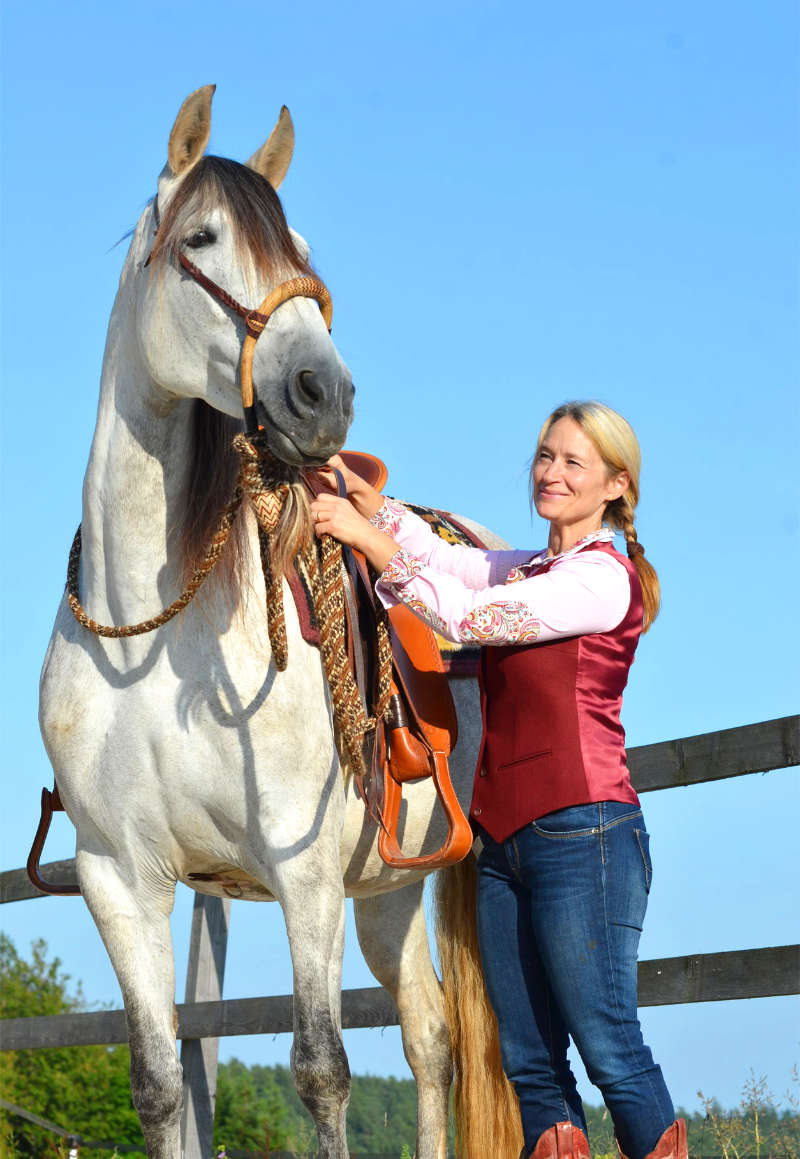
(204,977)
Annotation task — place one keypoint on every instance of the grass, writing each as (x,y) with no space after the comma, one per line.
(761,1127)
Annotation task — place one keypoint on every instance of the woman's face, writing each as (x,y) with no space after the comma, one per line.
(571,483)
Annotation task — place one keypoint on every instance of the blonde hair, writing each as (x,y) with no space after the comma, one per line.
(619,449)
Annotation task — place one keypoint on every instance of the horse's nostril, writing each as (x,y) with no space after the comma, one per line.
(309,389)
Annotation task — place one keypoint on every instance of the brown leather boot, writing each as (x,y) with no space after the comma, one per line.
(563,1141)
(671,1145)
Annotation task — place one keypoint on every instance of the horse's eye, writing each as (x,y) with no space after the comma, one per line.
(201,238)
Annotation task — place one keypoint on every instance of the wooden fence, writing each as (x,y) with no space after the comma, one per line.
(205,1017)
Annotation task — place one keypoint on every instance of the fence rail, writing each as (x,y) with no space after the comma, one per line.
(761,973)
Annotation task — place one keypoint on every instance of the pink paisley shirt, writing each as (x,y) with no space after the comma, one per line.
(496,597)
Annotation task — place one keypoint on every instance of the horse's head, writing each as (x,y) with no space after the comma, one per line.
(227,220)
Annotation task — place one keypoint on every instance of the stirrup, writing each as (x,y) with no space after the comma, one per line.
(50,803)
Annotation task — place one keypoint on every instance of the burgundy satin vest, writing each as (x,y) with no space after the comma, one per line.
(552,736)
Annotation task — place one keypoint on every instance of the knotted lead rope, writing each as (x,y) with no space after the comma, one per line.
(267,497)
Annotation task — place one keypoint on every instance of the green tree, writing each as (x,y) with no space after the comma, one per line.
(382,1115)
(250,1115)
(83,1089)
(381,1118)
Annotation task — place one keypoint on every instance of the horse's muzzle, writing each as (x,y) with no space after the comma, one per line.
(310,422)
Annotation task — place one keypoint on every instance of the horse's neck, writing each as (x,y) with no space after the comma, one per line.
(133,487)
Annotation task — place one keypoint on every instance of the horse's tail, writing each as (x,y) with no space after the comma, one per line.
(486,1108)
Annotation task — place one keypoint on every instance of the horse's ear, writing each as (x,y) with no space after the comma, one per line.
(191,131)
(272,160)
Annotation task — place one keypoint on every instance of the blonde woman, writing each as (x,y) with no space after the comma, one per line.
(564,870)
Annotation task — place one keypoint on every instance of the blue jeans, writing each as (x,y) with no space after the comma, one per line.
(560,910)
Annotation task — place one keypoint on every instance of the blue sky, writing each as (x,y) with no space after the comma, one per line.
(512,204)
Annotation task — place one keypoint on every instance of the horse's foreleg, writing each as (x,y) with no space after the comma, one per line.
(314,912)
(134,925)
(394,941)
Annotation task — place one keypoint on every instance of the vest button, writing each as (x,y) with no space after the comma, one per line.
(483,772)
(477,812)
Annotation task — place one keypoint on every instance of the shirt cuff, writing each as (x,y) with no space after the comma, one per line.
(400,569)
(388,517)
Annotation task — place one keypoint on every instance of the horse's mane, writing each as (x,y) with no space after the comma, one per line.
(210,479)
(265,245)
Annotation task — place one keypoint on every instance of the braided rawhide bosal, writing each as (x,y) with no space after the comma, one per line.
(267,492)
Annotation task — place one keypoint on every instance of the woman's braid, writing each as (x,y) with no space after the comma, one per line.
(631,538)
(620,514)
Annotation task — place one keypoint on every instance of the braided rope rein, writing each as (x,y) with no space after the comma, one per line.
(324,571)
(328,598)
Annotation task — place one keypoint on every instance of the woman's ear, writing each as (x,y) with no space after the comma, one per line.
(617,486)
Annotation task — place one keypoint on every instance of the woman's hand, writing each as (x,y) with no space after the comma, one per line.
(339,518)
(364,498)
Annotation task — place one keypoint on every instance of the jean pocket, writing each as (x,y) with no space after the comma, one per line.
(643,841)
(574,821)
